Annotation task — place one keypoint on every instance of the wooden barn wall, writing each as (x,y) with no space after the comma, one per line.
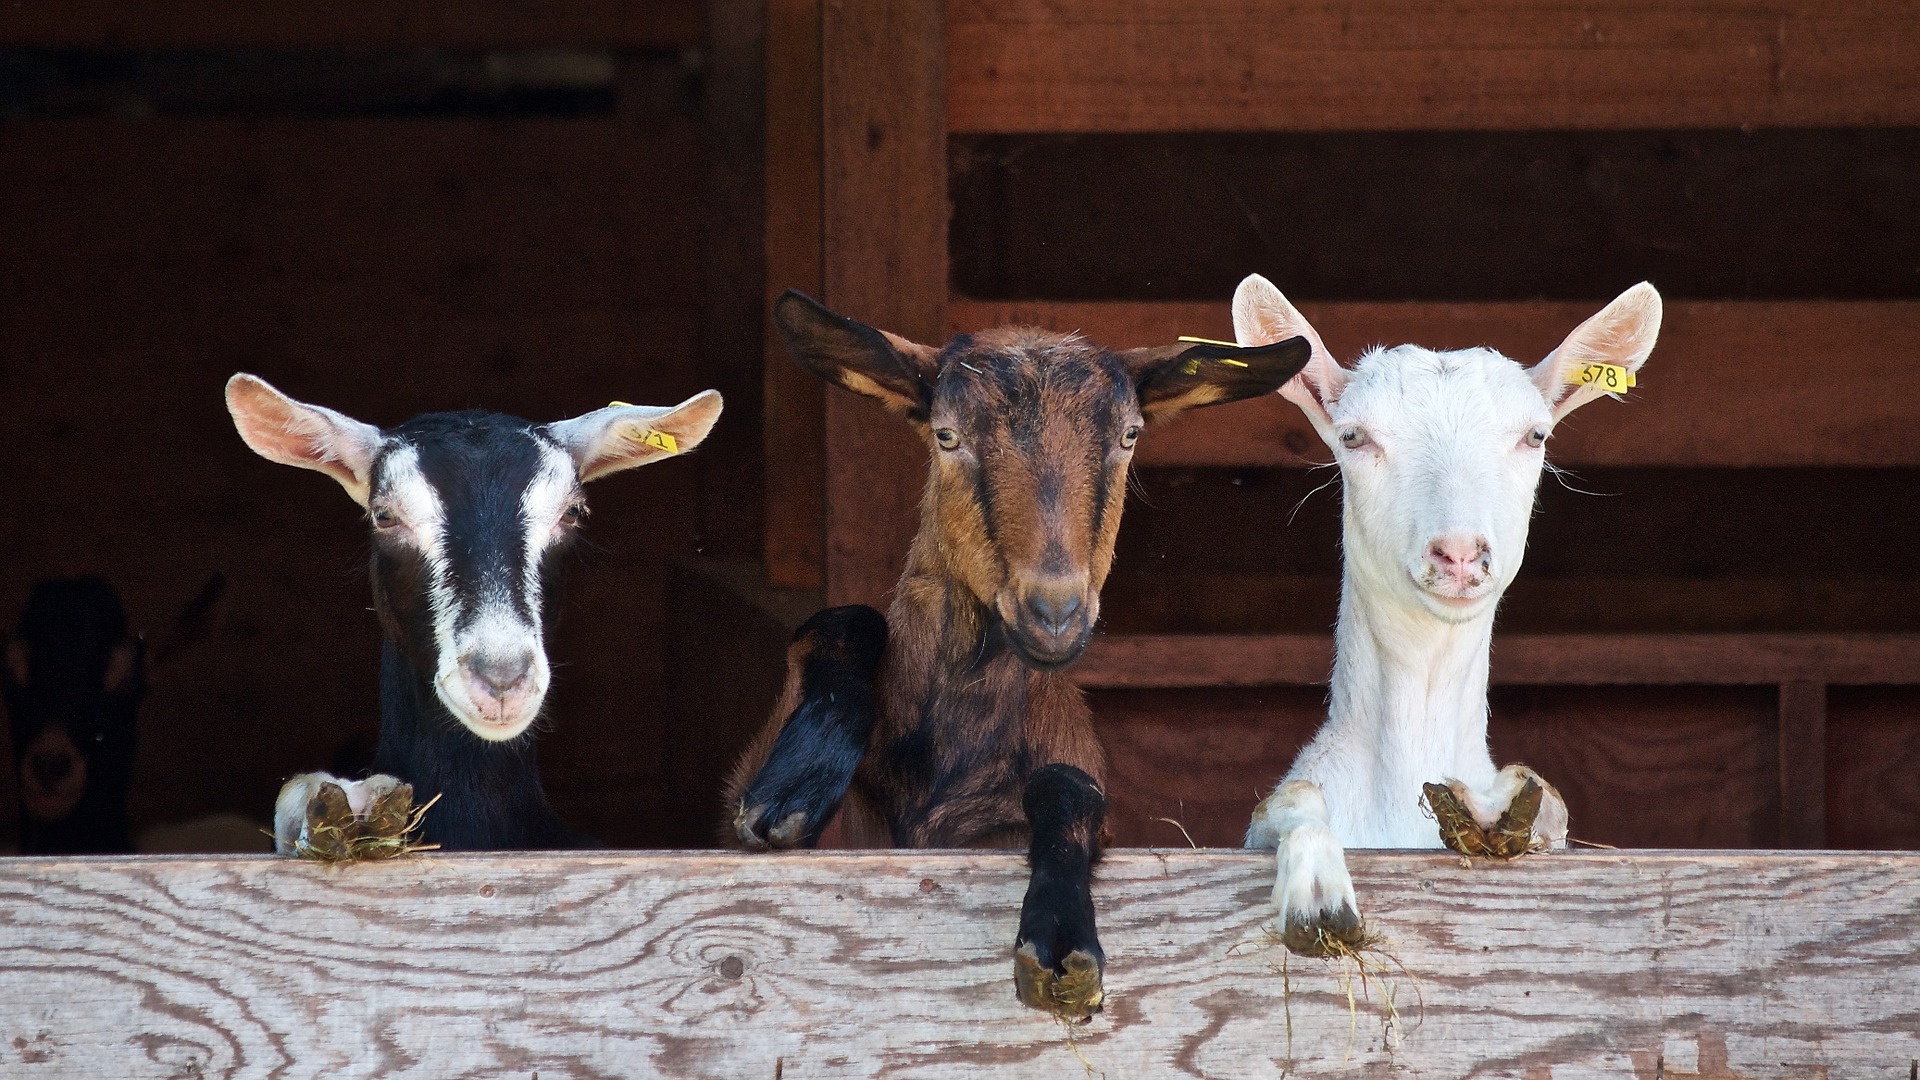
(383,266)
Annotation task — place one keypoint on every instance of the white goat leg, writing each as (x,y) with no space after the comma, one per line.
(1312,892)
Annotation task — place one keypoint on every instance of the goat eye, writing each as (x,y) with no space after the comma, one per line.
(384,519)
(1536,438)
(576,513)
(1130,436)
(948,438)
(99,736)
(1353,438)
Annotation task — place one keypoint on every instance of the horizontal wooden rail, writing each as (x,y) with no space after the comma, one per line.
(1730,384)
(1306,65)
(1631,964)
(1171,661)
(348,24)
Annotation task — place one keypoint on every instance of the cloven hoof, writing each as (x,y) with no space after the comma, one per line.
(1074,996)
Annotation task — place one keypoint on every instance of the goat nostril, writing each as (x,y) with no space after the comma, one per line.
(502,675)
(1054,611)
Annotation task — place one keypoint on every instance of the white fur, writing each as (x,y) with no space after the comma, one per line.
(1442,464)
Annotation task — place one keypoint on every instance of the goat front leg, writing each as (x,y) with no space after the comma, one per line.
(834,658)
(1314,907)
(1057,959)
(319,814)
(1516,814)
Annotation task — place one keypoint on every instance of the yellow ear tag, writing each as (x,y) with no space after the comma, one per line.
(1611,378)
(659,439)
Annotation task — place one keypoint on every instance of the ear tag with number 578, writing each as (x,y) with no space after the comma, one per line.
(1611,378)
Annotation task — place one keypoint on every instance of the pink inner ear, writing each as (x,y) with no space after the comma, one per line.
(17,657)
(120,666)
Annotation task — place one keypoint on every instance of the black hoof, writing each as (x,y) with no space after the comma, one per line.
(1325,934)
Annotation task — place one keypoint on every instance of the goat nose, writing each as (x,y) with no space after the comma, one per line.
(1459,553)
(501,675)
(1054,607)
(49,767)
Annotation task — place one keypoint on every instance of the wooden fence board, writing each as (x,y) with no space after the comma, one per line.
(1142,661)
(1729,384)
(1309,65)
(1623,964)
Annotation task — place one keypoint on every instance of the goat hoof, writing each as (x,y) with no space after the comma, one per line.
(1509,836)
(1339,932)
(754,834)
(1072,990)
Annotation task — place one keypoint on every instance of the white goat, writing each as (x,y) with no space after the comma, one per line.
(1439,456)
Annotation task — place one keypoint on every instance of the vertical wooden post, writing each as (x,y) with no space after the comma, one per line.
(795,433)
(884,216)
(1803,765)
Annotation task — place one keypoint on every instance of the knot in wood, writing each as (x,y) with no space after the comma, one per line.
(733,967)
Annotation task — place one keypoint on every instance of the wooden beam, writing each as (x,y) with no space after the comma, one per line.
(1803,764)
(794,438)
(1142,661)
(1729,384)
(348,24)
(683,964)
(1307,65)
(884,262)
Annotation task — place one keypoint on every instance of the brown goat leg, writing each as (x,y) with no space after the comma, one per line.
(821,741)
(1057,955)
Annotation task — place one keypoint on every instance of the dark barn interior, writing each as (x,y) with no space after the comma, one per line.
(396,208)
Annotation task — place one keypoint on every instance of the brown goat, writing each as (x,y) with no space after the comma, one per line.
(949,723)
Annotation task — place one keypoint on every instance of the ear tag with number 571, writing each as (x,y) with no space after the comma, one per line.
(658,439)
(1611,378)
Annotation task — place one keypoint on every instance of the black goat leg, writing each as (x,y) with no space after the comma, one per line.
(1057,960)
(807,772)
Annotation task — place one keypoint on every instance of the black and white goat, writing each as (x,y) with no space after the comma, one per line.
(73,681)
(468,511)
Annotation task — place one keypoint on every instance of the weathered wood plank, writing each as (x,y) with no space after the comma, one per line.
(202,24)
(884,219)
(794,440)
(1307,65)
(1803,764)
(1730,384)
(1627,964)
(1141,661)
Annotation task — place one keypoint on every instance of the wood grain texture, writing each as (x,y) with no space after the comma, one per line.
(1803,764)
(1310,65)
(1196,660)
(794,442)
(884,218)
(1873,748)
(189,24)
(1729,384)
(896,964)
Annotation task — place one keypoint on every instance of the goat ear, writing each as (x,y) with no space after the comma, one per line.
(1621,334)
(1176,377)
(888,368)
(1261,314)
(125,664)
(621,436)
(290,432)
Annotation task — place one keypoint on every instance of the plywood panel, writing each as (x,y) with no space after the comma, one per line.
(1668,766)
(191,24)
(884,218)
(892,964)
(1729,384)
(1144,661)
(1250,65)
(1873,744)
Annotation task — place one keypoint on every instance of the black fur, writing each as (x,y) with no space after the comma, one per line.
(815,756)
(70,629)
(1065,809)
(490,793)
